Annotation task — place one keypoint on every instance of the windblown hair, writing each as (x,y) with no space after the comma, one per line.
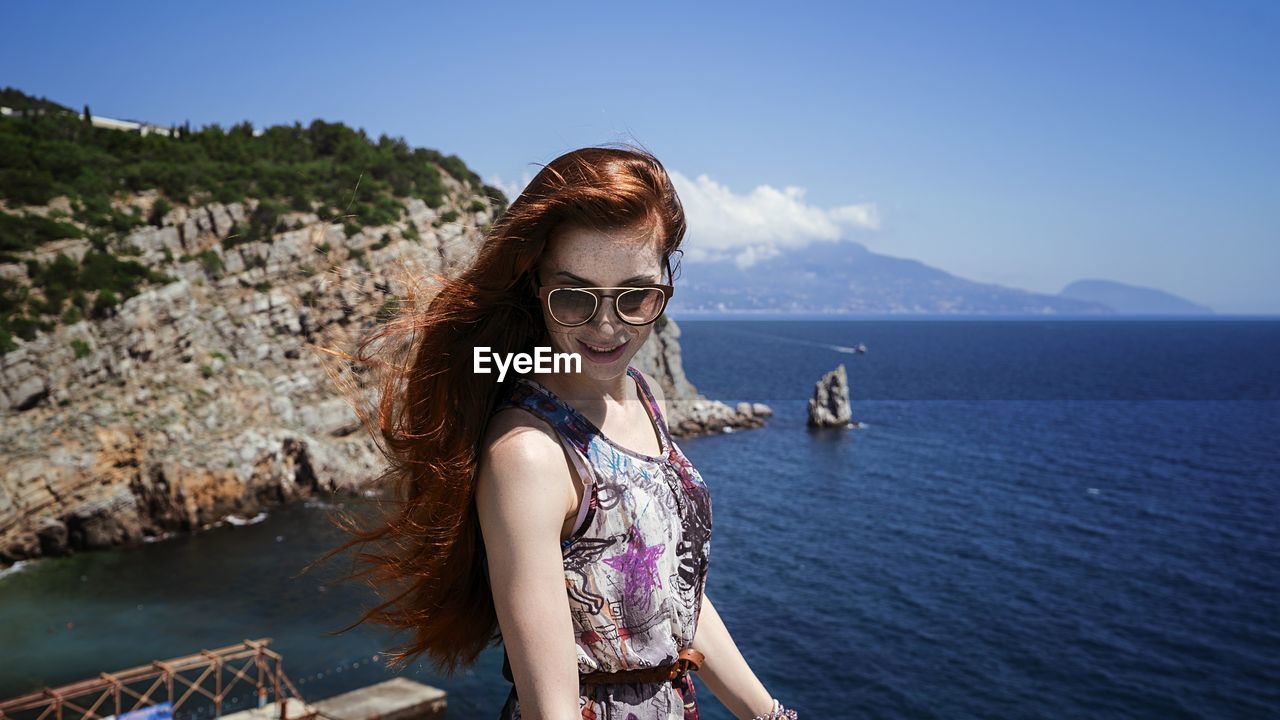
(428,564)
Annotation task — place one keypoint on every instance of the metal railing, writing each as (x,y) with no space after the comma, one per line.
(163,681)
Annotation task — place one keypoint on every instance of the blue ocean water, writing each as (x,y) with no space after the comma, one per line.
(1041,519)
(1038,519)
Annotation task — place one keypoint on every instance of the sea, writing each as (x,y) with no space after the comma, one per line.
(1032,518)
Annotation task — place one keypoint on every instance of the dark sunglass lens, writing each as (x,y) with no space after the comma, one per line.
(571,307)
(640,305)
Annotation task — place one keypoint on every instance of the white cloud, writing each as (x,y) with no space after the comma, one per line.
(760,224)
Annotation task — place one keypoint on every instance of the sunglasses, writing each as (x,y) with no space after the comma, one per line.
(571,305)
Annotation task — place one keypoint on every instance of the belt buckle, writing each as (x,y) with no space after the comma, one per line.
(678,668)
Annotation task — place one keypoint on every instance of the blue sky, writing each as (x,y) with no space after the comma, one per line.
(1027,144)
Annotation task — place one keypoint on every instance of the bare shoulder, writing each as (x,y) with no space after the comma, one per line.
(655,387)
(512,429)
(520,463)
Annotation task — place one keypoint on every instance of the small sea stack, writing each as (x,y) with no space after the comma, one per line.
(829,406)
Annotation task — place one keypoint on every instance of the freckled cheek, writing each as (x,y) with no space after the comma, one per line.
(564,339)
(637,342)
(560,335)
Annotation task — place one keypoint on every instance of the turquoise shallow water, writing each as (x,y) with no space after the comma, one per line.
(1067,519)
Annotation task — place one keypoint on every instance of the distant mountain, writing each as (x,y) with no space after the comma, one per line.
(1131,299)
(846,277)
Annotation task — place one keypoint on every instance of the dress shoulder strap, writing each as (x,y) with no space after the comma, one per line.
(646,395)
(549,408)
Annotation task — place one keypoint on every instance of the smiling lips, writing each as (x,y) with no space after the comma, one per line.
(604,349)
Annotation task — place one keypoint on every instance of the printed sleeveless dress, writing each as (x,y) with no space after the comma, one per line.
(636,565)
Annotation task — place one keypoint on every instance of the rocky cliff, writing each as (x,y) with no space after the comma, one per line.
(202,398)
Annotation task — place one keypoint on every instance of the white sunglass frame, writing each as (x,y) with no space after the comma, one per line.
(546,291)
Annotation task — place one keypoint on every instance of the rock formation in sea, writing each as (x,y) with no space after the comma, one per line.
(829,406)
(202,398)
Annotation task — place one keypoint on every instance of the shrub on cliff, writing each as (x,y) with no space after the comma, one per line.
(28,232)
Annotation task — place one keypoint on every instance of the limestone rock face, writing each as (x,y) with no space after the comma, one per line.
(201,399)
(829,406)
(691,414)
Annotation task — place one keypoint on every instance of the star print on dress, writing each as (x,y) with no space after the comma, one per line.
(638,566)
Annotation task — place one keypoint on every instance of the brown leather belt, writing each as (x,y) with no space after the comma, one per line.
(688,661)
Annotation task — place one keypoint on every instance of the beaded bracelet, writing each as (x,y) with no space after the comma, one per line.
(778,713)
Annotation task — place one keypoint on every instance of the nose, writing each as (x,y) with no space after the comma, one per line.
(611,317)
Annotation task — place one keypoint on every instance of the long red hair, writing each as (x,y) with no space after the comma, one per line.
(427,559)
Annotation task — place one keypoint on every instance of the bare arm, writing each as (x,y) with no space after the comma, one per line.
(724,670)
(521,500)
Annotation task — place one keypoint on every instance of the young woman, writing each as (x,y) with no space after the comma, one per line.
(552,510)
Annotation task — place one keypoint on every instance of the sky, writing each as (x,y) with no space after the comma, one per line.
(1024,144)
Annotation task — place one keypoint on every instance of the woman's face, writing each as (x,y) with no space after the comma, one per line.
(582,257)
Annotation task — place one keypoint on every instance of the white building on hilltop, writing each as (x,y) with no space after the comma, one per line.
(132,126)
